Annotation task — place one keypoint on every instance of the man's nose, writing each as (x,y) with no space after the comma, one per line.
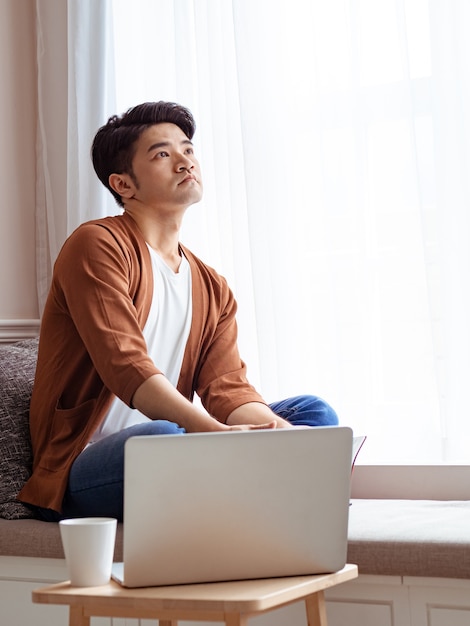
(185,164)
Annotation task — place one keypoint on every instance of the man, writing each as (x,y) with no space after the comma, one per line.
(134,325)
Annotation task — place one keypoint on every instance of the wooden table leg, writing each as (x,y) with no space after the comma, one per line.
(167,622)
(316,609)
(235,619)
(77,616)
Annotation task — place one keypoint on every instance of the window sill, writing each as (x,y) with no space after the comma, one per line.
(418,482)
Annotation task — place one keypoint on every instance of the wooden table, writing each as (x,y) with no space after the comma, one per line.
(229,602)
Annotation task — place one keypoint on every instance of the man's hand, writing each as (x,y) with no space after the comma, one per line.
(267,426)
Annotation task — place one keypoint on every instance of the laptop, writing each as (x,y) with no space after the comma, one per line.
(208,507)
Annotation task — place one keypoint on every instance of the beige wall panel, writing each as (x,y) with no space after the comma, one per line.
(17,160)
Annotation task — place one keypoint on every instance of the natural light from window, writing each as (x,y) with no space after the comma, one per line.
(335,152)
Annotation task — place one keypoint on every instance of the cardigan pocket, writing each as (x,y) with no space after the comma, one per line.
(67,430)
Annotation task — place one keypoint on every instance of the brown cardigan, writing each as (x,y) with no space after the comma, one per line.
(91,347)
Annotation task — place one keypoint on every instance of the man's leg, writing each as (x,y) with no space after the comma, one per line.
(96,480)
(306,411)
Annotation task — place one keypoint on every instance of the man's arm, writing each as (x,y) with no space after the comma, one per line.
(158,399)
(255,413)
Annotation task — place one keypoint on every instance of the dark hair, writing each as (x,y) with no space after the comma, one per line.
(113,147)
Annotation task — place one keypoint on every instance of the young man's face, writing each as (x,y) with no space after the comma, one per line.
(166,172)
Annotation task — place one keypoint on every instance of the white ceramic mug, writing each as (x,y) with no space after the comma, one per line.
(89,549)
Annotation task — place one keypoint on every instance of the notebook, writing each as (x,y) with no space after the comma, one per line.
(210,507)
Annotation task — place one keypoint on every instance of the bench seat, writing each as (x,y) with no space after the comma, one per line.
(35,538)
(427,538)
(386,537)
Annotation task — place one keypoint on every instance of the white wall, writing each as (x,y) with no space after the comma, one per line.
(18,300)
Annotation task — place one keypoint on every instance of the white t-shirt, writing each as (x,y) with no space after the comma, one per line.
(166,333)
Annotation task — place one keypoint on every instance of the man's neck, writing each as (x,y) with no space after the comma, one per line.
(162,234)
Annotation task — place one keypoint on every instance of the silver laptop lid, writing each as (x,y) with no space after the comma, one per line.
(227,506)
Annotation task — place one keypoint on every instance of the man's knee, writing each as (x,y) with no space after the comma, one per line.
(328,416)
(307,410)
(320,413)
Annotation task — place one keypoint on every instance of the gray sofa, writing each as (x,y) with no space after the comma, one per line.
(20,533)
(386,537)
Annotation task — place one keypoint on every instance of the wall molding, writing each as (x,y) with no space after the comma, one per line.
(17,330)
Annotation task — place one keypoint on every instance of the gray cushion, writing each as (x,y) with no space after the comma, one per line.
(386,537)
(410,537)
(17,367)
(34,538)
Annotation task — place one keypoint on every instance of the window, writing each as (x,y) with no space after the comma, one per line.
(334,139)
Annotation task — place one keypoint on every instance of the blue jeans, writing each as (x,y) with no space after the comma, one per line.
(96,480)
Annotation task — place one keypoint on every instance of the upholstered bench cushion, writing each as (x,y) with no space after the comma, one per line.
(410,537)
(386,537)
(34,538)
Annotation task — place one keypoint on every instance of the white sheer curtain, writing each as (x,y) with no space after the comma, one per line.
(91,100)
(51,142)
(334,139)
(75,94)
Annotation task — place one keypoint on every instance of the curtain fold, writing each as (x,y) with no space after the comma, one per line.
(334,140)
(76,90)
(451,125)
(51,141)
(91,100)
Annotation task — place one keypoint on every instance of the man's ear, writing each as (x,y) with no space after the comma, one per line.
(122,184)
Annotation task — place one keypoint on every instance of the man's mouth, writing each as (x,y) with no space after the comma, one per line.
(188,178)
